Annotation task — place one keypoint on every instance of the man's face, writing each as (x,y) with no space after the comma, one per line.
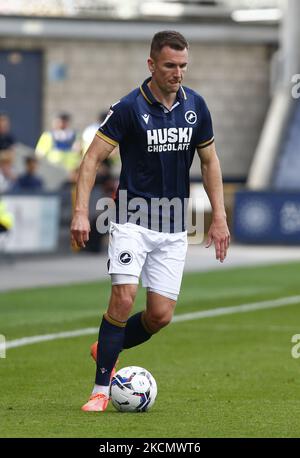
(168,68)
(61,123)
(31,166)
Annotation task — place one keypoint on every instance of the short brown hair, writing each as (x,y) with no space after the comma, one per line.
(169,38)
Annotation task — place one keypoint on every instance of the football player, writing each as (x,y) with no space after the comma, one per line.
(158,127)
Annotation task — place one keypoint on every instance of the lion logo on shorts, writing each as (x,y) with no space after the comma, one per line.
(125,258)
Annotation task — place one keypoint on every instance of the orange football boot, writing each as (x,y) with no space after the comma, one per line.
(97,403)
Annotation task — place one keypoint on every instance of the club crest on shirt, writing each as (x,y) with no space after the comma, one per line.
(125,257)
(190,117)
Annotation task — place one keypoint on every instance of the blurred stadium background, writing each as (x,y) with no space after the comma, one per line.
(79,57)
(71,59)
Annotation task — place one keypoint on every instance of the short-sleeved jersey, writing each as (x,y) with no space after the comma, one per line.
(157,145)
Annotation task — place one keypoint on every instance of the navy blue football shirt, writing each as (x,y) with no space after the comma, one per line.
(157,147)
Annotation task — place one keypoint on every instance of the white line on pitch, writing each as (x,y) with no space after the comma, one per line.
(46,337)
(281,302)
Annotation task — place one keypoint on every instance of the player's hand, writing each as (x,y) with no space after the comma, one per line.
(80,229)
(219,235)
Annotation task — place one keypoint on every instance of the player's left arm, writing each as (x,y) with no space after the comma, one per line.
(212,180)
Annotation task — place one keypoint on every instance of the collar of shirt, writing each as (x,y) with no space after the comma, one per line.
(147,94)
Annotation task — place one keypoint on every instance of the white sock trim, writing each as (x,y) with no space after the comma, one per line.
(101,389)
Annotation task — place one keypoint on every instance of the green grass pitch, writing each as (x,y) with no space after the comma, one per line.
(225,376)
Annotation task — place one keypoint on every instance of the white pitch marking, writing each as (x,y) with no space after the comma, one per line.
(46,337)
(281,302)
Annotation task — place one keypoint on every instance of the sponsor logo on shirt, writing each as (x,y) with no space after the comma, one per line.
(169,139)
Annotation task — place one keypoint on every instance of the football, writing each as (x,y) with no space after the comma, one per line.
(133,389)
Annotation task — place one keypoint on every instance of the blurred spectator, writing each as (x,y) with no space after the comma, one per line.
(7,176)
(89,132)
(29,181)
(60,145)
(6,224)
(104,175)
(104,184)
(104,187)
(7,140)
(6,218)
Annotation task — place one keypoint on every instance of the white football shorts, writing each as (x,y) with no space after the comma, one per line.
(157,257)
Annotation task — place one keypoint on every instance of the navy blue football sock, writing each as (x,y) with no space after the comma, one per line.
(110,343)
(135,331)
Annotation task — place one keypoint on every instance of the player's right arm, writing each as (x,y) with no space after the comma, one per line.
(97,152)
